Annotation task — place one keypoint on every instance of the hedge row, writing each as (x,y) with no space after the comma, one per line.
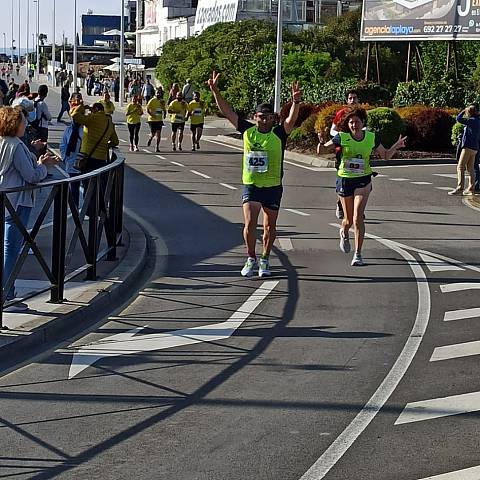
(426,128)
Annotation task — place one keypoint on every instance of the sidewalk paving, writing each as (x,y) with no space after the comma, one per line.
(85,301)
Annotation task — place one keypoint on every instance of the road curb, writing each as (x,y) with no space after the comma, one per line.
(323,161)
(96,300)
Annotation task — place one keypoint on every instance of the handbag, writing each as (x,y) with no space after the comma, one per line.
(82,158)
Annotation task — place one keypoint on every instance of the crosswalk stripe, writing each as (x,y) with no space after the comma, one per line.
(421,183)
(437,265)
(472,473)
(447,352)
(461,314)
(458,287)
(439,407)
(399,179)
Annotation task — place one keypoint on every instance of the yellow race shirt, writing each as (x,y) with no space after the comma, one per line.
(134,113)
(155,109)
(178,111)
(197,112)
(108,107)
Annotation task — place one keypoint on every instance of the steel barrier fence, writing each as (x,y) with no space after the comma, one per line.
(102,203)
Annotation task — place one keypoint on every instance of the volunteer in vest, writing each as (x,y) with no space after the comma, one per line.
(262,171)
(196,113)
(156,113)
(178,111)
(354,146)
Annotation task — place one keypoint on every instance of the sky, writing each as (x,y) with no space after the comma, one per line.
(63,14)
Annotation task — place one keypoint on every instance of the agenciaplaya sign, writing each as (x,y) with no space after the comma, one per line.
(405,20)
(210,12)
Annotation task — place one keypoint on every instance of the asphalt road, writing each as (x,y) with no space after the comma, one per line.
(322,371)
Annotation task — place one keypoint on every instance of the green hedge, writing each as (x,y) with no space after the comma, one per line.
(387,123)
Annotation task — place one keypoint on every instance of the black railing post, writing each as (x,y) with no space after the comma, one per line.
(2,254)
(111,219)
(92,212)
(119,202)
(59,242)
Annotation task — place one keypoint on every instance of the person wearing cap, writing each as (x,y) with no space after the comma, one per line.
(262,170)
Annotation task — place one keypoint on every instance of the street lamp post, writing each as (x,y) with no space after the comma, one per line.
(28,33)
(53,45)
(122,52)
(5,44)
(38,39)
(278,61)
(11,52)
(19,30)
(75,51)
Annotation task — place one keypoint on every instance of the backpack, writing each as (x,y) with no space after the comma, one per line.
(3,87)
(36,123)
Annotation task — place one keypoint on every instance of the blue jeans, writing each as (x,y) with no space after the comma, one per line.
(13,245)
(476,168)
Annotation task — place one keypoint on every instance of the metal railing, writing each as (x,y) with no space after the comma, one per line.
(102,204)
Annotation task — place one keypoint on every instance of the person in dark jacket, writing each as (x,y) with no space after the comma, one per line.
(116,89)
(65,97)
(469,145)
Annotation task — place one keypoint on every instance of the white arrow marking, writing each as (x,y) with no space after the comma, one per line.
(437,265)
(458,350)
(130,343)
(472,473)
(439,407)
(458,287)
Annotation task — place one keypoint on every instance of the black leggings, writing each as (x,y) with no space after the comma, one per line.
(134,129)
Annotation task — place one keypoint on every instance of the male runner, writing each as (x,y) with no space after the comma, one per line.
(196,113)
(156,113)
(178,111)
(262,171)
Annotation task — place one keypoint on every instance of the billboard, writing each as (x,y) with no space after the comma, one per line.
(151,13)
(210,12)
(406,20)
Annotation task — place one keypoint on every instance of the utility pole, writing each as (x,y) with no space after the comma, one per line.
(38,40)
(53,45)
(19,31)
(11,52)
(28,34)
(122,51)
(75,51)
(278,61)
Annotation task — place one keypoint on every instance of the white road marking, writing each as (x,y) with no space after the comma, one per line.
(459,287)
(306,167)
(122,140)
(145,150)
(224,144)
(457,350)
(461,314)
(399,179)
(436,265)
(422,183)
(178,164)
(446,175)
(285,244)
(129,343)
(346,439)
(226,185)
(159,156)
(200,174)
(472,473)
(381,175)
(298,212)
(439,407)
(446,189)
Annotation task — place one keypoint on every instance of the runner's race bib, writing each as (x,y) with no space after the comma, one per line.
(355,166)
(257,162)
(197,112)
(179,118)
(158,111)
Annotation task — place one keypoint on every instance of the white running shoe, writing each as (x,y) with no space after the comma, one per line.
(357,260)
(344,242)
(264,268)
(457,191)
(247,270)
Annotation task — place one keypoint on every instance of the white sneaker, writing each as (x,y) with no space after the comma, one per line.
(457,191)
(264,268)
(357,260)
(247,270)
(344,242)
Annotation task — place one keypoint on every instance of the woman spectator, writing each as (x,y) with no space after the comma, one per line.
(18,168)
(172,94)
(354,146)
(469,147)
(134,113)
